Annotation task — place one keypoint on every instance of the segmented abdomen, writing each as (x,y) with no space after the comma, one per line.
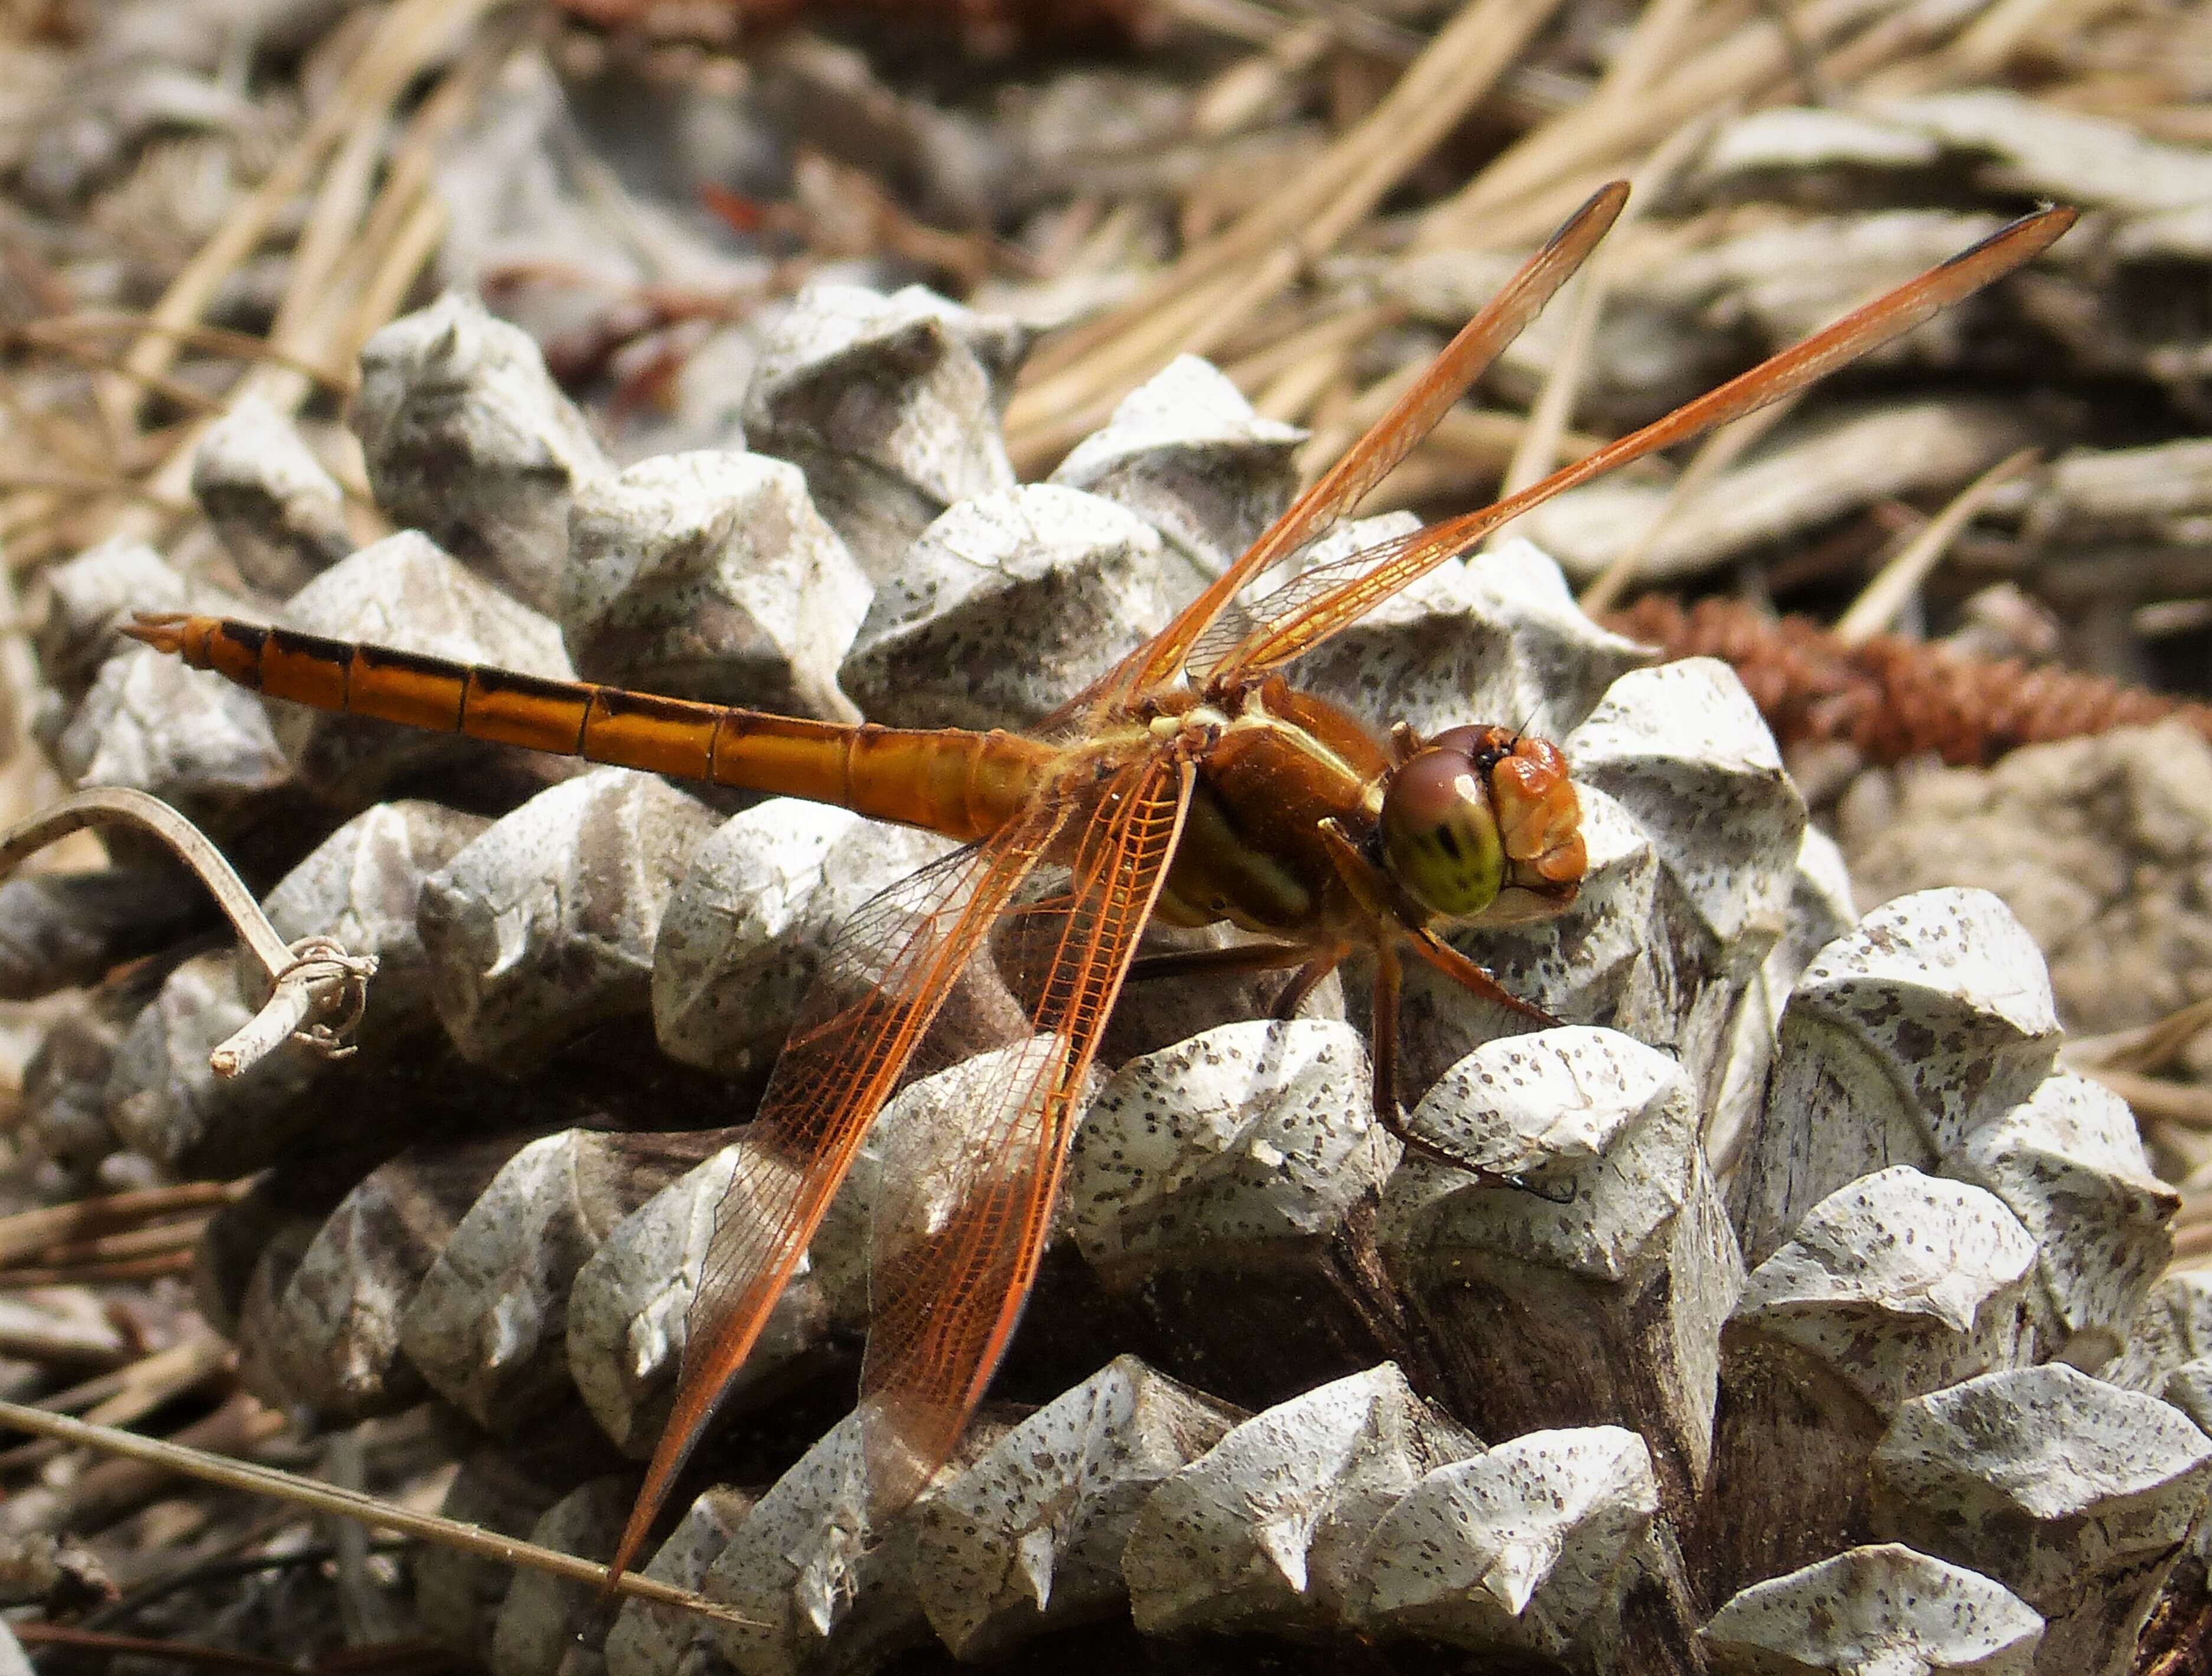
(949,781)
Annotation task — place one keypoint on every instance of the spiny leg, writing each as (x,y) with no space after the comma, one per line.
(1240,957)
(1383,1046)
(1464,972)
(1472,979)
(1308,979)
(1220,962)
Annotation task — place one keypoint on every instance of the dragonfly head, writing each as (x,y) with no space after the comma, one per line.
(1483,822)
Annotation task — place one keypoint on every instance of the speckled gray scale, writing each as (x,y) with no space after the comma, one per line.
(544,923)
(1005,605)
(1533,1546)
(710,576)
(1880,1606)
(2075,1494)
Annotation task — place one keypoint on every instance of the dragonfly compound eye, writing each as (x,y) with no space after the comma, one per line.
(1440,835)
(1484,820)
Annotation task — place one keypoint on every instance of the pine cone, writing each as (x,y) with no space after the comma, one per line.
(1757,1290)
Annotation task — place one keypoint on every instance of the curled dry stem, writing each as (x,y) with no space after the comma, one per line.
(317,990)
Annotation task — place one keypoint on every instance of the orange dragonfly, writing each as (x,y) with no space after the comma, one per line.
(1190,785)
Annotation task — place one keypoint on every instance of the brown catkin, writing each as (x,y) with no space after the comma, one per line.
(1893,698)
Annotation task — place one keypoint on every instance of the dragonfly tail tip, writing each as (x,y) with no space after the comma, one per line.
(162,630)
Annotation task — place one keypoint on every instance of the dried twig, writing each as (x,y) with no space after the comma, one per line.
(178,1652)
(353,1504)
(29,1233)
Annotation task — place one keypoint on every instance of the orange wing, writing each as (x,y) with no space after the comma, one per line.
(1307,611)
(882,990)
(1414,415)
(944,1303)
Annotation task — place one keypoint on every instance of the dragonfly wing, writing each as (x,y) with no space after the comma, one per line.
(871,1009)
(1232,646)
(1379,452)
(964,1218)
(1310,609)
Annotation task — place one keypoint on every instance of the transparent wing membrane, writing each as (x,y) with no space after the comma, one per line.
(1379,452)
(1310,608)
(859,1036)
(1016,948)
(944,1303)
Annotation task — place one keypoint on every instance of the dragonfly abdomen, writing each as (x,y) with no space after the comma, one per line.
(949,781)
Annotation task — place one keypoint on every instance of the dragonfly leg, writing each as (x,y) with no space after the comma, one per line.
(1312,966)
(1308,979)
(1458,967)
(1472,977)
(1384,1047)
(1383,1040)
(1369,891)
(1213,962)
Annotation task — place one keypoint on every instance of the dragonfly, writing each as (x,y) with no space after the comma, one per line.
(1190,785)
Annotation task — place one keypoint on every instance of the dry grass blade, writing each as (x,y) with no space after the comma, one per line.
(360,270)
(1998,33)
(1714,456)
(1307,358)
(102,1273)
(87,484)
(176,1652)
(2156,1100)
(1460,65)
(1750,56)
(1538,453)
(128,1394)
(162,1237)
(1876,608)
(1210,288)
(165,1372)
(353,1504)
(2149,1048)
(31,1334)
(29,1233)
(2192,1232)
(411,35)
(154,383)
(219,340)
